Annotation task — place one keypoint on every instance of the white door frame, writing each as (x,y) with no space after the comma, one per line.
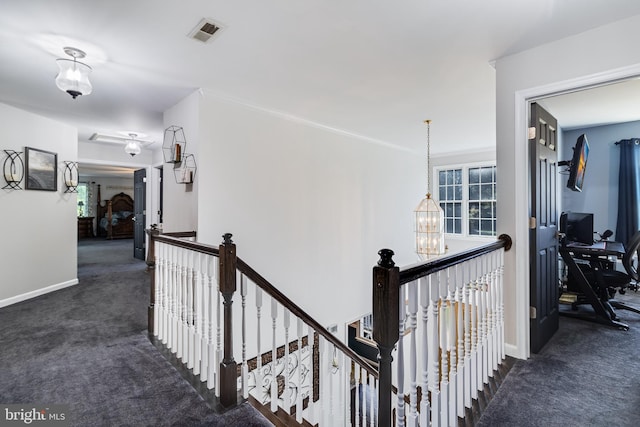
(522,99)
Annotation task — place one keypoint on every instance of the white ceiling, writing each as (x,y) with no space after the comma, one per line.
(369,67)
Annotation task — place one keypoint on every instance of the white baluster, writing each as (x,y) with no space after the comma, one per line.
(211,345)
(357,380)
(425,408)
(205,320)
(313,347)
(365,397)
(324,404)
(219,349)
(344,386)
(157,289)
(160,284)
(496,303)
(434,353)
(501,302)
(258,371)
(444,361)
(286,317)
(168,320)
(474,325)
(245,367)
(400,365)
(299,394)
(182,305)
(491,314)
(484,377)
(460,340)
(198,314)
(412,417)
(191,295)
(373,395)
(466,313)
(452,347)
(274,382)
(171,298)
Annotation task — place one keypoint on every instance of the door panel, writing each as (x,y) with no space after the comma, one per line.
(544,286)
(139,206)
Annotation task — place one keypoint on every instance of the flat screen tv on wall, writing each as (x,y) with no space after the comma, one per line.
(578,164)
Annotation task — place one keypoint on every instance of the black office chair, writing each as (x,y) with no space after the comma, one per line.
(606,281)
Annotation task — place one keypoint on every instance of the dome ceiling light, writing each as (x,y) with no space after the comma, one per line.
(133,146)
(73,76)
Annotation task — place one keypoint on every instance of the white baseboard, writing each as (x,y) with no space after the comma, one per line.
(512,351)
(28,295)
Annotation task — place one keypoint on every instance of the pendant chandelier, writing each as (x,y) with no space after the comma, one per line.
(429,222)
(133,147)
(73,76)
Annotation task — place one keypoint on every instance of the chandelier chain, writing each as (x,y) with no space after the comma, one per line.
(428,122)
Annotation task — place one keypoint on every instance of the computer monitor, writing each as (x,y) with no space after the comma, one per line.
(578,164)
(577,227)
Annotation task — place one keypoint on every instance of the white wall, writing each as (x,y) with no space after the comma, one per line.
(308,208)
(181,200)
(595,56)
(600,192)
(38,228)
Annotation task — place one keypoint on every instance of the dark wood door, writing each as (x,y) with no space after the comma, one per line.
(139,206)
(544,286)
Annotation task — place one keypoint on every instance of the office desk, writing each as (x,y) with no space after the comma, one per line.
(597,256)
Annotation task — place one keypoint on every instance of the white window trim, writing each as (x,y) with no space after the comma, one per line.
(464,235)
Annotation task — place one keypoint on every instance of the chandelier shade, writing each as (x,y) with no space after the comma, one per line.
(73,76)
(429,217)
(133,147)
(429,228)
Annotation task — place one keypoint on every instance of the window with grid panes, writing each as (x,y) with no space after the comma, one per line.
(467,195)
(450,196)
(83,196)
(482,201)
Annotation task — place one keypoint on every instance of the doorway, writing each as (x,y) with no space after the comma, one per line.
(521,265)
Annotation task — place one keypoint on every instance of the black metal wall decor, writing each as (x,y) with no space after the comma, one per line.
(13,170)
(174,144)
(185,172)
(70,176)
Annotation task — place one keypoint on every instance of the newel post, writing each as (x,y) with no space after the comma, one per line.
(228,366)
(386,323)
(151,269)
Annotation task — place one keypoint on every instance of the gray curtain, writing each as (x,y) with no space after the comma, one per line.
(628,190)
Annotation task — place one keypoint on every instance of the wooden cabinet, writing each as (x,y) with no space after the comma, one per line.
(85,227)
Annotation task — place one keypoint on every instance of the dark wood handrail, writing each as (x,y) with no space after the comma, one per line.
(409,274)
(264,284)
(186,244)
(180,234)
(271,290)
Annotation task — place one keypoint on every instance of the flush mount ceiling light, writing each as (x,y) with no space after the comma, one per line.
(133,146)
(73,76)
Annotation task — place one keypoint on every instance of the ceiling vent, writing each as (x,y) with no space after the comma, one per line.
(205,30)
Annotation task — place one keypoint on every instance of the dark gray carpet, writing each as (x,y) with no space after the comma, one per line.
(87,347)
(587,375)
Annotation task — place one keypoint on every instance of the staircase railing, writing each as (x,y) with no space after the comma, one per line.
(439,328)
(303,369)
(445,320)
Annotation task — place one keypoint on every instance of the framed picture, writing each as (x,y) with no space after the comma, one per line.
(41,170)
